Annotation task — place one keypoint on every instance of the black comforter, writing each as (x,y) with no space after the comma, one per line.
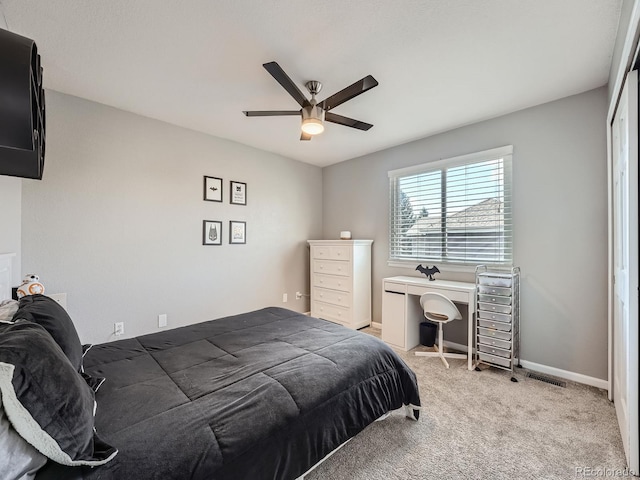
(262,395)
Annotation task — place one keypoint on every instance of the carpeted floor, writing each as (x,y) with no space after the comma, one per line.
(480,425)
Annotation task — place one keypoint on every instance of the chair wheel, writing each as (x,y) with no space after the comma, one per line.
(514,379)
(478,369)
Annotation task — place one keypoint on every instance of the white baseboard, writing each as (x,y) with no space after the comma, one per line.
(376,325)
(572,376)
(556,372)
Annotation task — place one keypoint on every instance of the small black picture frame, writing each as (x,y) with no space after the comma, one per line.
(211,232)
(238,194)
(212,189)
(237,232)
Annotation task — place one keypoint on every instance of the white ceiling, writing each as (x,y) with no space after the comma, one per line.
(440,63)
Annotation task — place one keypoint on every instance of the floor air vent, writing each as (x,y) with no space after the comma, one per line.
(542,378)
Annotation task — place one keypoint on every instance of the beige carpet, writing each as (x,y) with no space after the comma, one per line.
(480,425)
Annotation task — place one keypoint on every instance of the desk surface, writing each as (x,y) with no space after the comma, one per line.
(425,282)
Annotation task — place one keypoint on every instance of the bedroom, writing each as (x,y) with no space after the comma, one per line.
(116,221)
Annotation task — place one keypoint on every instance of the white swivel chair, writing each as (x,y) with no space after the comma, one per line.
(438,308)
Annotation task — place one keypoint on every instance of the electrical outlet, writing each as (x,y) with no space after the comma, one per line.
(162,320)
(284,298)
(118,328)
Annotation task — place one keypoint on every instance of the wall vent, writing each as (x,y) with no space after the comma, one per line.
(543,378)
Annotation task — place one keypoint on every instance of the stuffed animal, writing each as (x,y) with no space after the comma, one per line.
(30,286)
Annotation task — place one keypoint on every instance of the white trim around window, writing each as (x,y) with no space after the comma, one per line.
(453,212)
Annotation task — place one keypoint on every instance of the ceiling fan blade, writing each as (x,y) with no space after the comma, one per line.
(283,79)
(305,136)
(353,90)
(271,113)
(349,122)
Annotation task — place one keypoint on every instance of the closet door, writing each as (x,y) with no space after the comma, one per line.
(625,268)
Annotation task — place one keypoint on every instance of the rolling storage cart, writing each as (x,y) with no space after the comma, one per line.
(498,318)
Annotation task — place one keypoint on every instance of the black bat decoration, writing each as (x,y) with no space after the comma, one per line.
(213,188)
(429,271)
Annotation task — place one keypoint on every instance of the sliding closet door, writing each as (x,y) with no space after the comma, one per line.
(625,263)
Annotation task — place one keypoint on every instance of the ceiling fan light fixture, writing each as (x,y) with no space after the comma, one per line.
(312,120)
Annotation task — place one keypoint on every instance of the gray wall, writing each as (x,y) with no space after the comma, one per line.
(10,213)
(116,223)
(560,220)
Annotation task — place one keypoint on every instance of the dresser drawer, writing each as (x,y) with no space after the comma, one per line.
(332,267)
(333,313)
(494,350)
(332,253)
(333,282)
(494,342)
(332,296)
(493,333)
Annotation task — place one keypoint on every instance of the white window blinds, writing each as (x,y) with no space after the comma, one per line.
(455,211)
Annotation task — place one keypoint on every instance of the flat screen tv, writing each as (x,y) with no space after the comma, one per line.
(22,107)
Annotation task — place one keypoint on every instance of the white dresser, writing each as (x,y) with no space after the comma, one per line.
(341,281)
(5,275)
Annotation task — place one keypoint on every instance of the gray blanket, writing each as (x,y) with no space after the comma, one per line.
(262,395)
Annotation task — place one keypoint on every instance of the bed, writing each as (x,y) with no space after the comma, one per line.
(261,395)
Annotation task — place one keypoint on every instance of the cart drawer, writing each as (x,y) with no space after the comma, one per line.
(492,307)
(495,342)
(494,280)
(496,299)
(494,351)
(489,290)
(493,333)
(505,327)
(500,317)
(504,362)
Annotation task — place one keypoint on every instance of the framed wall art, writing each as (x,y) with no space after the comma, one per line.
(212,189)
(237,232)
(211,232)
(238,193)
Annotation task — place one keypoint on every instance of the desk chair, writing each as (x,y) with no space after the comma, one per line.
(438,308)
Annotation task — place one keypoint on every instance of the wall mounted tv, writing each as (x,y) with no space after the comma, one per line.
(22,108)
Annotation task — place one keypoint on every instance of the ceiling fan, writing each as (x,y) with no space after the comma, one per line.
(314,114)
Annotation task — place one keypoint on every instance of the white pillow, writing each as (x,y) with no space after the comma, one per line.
(20,461)
(7,309)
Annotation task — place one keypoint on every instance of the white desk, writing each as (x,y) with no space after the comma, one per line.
(401,318)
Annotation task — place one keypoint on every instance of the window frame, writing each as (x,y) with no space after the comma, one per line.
(504,152)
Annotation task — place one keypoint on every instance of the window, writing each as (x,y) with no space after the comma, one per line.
(455,211)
